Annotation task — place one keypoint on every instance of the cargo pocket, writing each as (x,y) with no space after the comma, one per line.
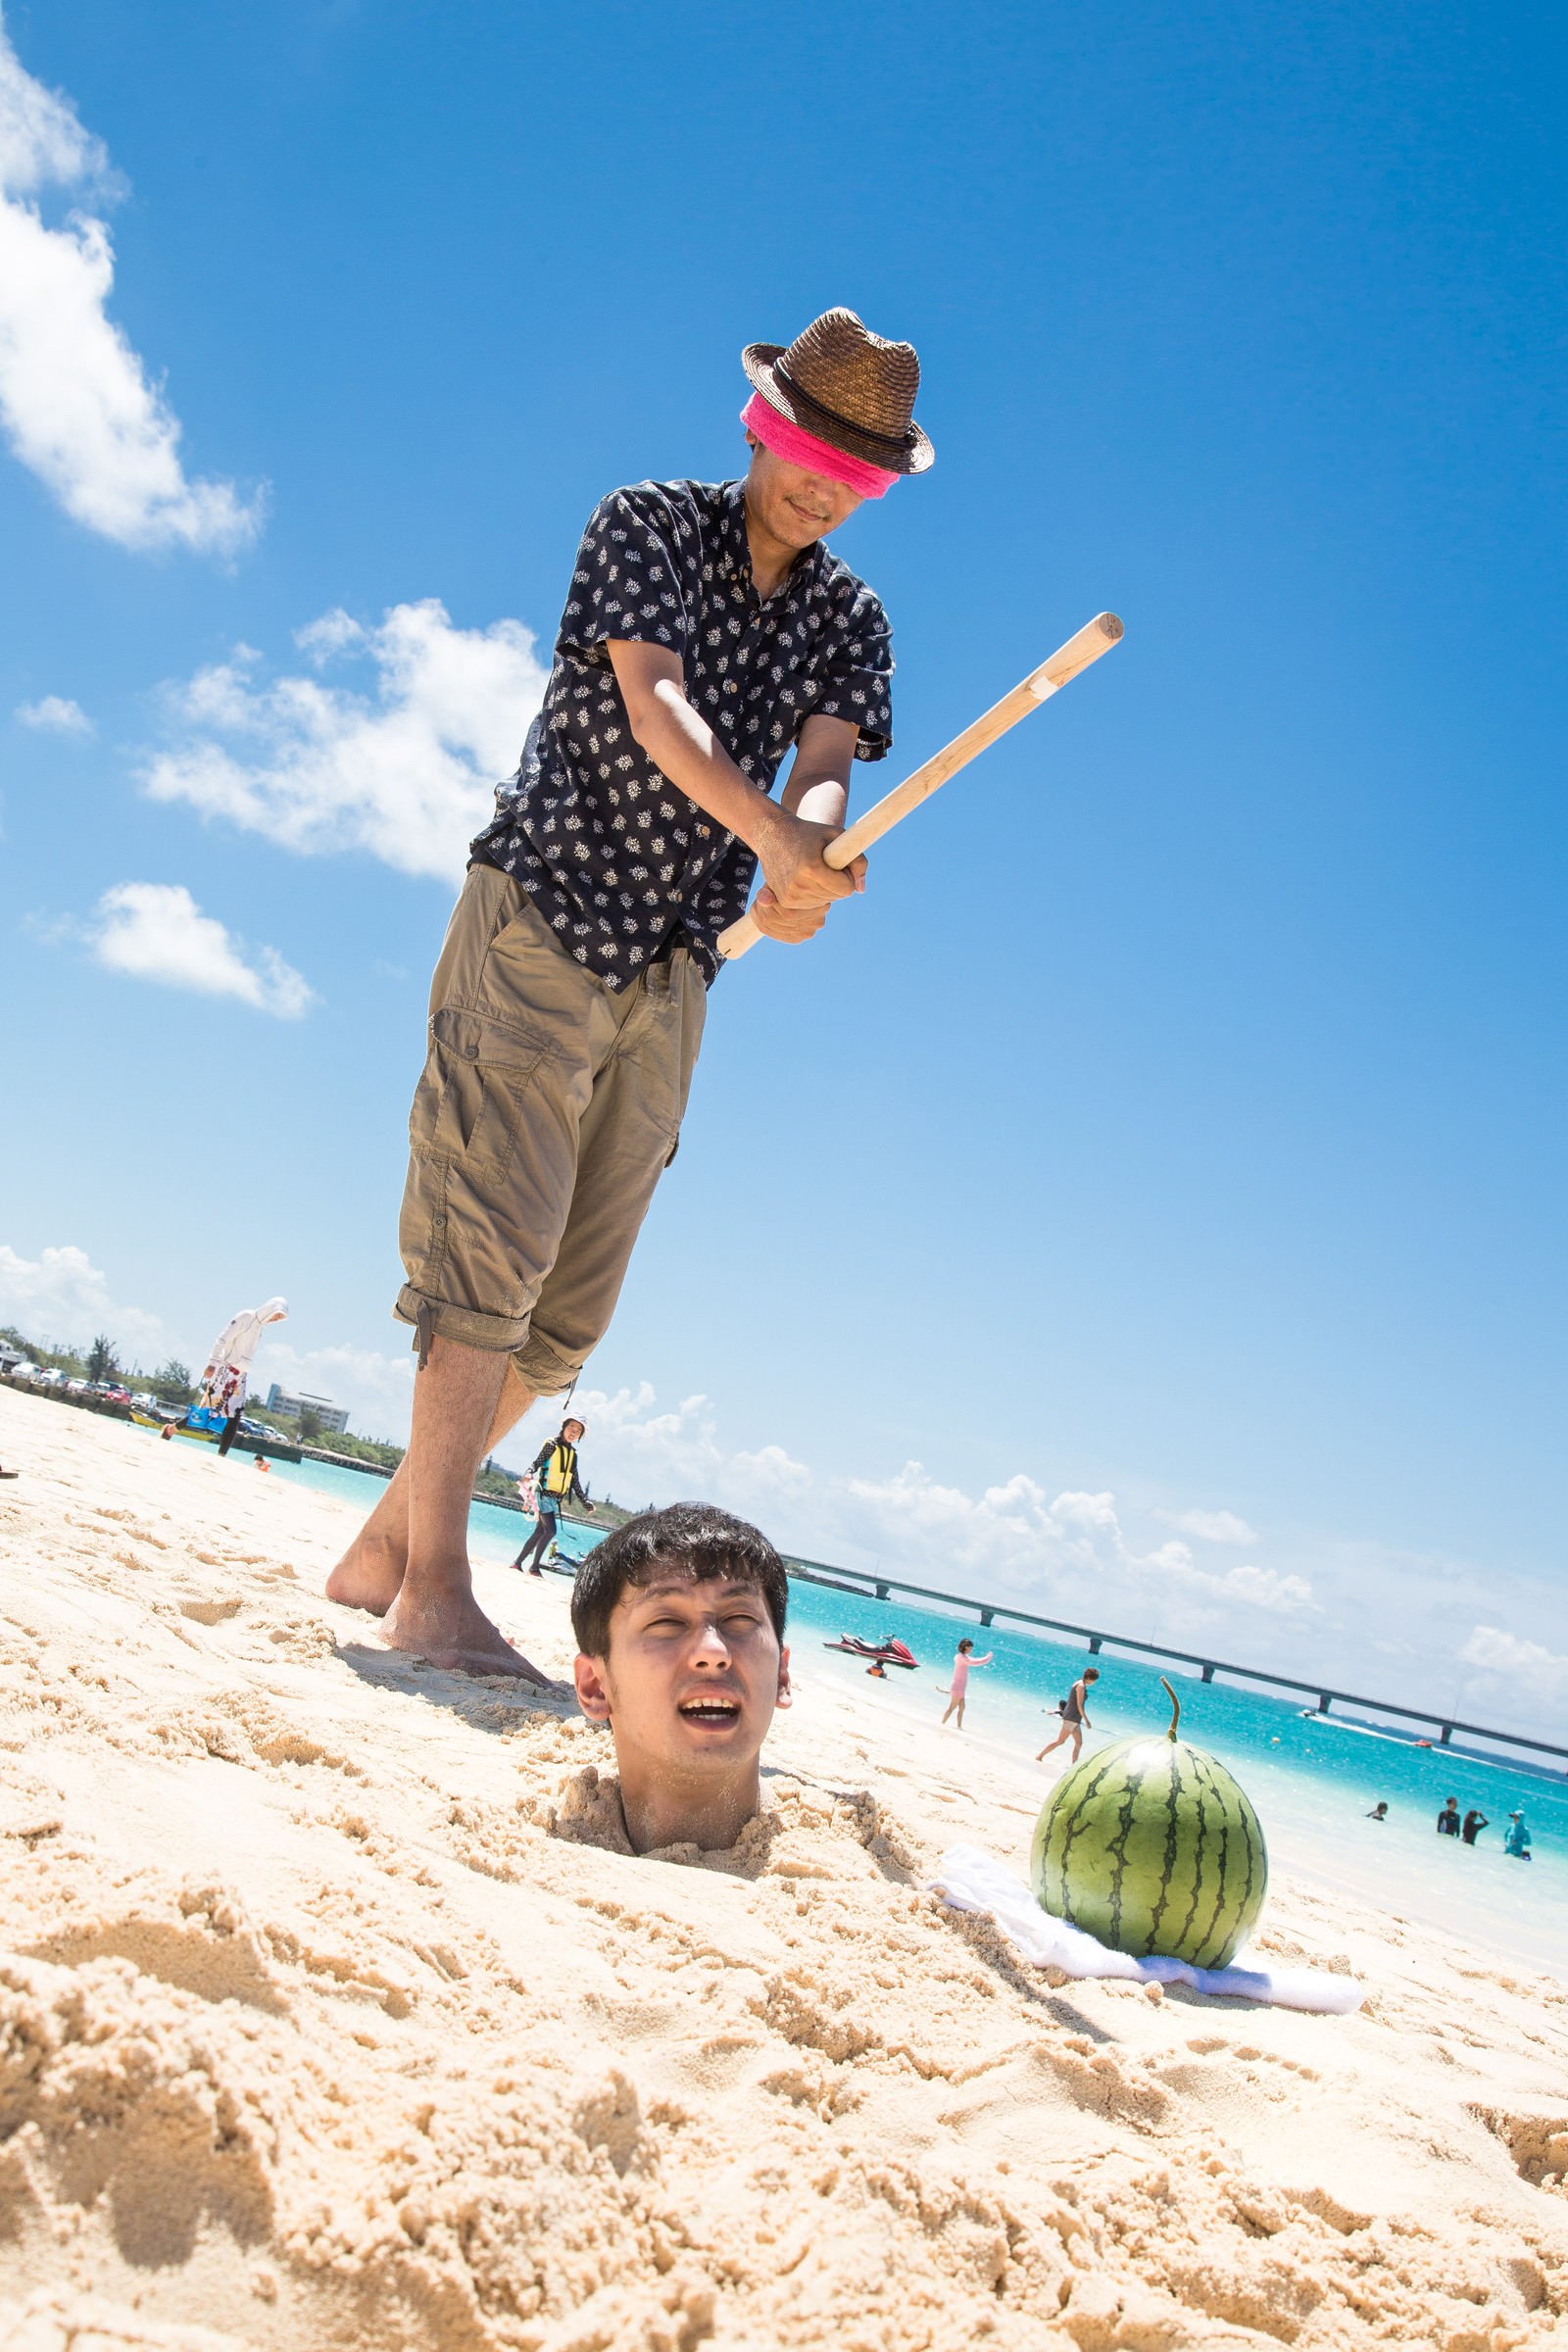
(477,1094)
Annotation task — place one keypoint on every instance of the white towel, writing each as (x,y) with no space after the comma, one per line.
(970,1880)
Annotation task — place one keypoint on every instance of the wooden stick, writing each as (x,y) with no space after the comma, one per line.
(1096,638)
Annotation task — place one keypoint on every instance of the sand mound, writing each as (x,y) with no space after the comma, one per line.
(333,2011)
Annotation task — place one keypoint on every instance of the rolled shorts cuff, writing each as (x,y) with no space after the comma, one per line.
(471,1327)
(543,1368)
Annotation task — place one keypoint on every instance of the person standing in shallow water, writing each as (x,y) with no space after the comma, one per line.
(556,1482)
(1075,1716)
(958,1688)
(707,635)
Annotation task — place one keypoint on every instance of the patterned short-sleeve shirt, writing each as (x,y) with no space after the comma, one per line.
(615,858)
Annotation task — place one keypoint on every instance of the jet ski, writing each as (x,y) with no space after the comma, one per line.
(892,1653)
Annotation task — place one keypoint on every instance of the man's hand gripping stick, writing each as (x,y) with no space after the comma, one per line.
(1096,638)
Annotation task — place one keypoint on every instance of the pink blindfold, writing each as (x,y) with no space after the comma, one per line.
(799,448)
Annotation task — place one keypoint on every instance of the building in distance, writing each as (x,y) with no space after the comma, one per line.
(328,1416)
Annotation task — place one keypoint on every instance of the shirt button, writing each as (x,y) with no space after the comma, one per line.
(729,685)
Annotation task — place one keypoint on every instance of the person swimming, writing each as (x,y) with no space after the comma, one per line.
(1380,1811)
(1475,1821)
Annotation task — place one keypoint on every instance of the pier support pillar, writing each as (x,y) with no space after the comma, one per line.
(986,1616)
(881,1591)
(1448,1735)
(1323,1699)
(1208,1674)
(1095,1641)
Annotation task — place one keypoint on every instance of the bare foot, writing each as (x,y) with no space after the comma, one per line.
(369,1575)
(451,1630)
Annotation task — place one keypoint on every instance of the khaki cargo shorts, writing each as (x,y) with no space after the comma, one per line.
(550,1107)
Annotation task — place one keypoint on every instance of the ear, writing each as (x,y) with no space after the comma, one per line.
(785,1696)
(593,1695)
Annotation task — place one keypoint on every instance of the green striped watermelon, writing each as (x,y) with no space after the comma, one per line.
(1151,1846)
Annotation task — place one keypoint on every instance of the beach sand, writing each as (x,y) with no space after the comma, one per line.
(331,2016)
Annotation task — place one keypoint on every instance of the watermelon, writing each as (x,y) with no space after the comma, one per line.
(1151,1846)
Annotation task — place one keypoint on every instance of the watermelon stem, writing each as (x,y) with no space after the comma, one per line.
(1175,1710)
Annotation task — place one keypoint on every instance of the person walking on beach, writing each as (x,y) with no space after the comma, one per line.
(958,1688)
(555,1483)
(1516,1839)
(1075,1716)
(708,633)
(1448,1818)
(1475,1821)
(225,1378)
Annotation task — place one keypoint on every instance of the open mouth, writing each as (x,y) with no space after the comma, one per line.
(720,1712)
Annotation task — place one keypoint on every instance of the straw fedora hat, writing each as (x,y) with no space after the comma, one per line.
(849,387)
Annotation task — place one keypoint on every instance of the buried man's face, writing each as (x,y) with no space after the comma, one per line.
(694,1673)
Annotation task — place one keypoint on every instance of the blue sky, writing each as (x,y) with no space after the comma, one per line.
(1150,1197)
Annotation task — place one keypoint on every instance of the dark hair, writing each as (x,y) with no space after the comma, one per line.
(966,1642)
(1091,1674)
(692,1538)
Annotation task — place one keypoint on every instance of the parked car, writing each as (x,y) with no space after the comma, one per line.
(23,1371)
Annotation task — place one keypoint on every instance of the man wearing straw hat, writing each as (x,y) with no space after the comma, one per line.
(708,633)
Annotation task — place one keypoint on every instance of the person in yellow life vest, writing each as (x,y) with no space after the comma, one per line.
(556,1482)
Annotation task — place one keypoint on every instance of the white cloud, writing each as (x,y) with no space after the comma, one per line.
(1211,1527)
(404,770)
(62,1296)
(156,931)
(75,403)
(56,715)
(1264,1588)
(1495,1652)
(1066,1555)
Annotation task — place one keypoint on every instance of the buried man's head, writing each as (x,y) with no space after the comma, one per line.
(679,1619)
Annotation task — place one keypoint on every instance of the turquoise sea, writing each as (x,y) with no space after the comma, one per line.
(1312,1781)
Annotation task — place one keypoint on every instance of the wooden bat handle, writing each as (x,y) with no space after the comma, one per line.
(1094,638)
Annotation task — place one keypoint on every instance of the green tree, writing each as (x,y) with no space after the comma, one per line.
(308,1424)
(172,1381)
(102,1361)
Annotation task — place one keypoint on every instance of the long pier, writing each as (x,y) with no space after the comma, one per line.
(882,1588)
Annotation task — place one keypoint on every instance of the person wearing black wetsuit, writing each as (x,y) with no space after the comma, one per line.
(1448,1818)
(1475,1821)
